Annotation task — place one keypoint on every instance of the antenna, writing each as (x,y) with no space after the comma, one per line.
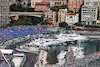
(39,32)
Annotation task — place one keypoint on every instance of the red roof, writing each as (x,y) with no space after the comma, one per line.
(42,3)
(71,14)
(12,17)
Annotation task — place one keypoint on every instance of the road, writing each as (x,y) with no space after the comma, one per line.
(29,56)
(30,60)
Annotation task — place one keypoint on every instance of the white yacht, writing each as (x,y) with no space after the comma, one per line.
(72,37)
(78,52)
(38,44)
(61,57)
(46,42)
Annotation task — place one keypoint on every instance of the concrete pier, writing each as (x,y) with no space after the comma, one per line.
(42,58)
(18,61)
(92,36)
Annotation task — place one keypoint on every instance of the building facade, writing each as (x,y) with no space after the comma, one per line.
(47,1)
(51,15)
(89,15)
(4,12)
(33,2)
(91,2)
(56,2)
(74,5)
(61,15)
(99,10)
(12,2)
(41,6)
(71,19)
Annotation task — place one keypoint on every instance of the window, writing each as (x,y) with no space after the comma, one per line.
(70,17)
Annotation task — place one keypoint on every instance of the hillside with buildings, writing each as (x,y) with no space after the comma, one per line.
(86,12)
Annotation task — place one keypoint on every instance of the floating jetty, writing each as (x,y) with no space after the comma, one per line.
(92,36)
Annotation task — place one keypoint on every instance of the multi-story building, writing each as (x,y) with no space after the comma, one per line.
(4,12)
(41,6)
(12,2)
(51,15)
(33,2)
(71,19)
(74,5)
(91,2)
(47,1)
(61,15)
(56,2)
(99,10)
(89,15)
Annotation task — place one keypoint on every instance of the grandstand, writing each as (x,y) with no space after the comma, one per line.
(19,31)
(92,60)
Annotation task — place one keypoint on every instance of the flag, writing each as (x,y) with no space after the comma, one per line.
(49,23)
(19,20)
(53,23)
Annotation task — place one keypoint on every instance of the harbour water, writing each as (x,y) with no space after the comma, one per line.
(90,47)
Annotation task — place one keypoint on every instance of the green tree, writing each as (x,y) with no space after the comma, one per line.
(15,23)
(78,24)
(12,7)
(92,26)
(63,24)
(44,23)
(42,17)
(64,6)
(70,11)
(59,6)
(19,8)
(19,0)
(35,20)
(54,8)
(29,3)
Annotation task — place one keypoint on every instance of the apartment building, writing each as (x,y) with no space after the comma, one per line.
(74,5)
(72,18)
(12,2)
(99,10)
(56,2)
(4,12)
(61,15)
(33,2)
(89,14)
(41,6)
(47,1)
(51,15)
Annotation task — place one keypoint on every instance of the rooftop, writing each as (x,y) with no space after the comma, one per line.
(42,3)
(71,14)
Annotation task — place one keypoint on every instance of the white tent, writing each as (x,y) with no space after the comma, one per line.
(6,51)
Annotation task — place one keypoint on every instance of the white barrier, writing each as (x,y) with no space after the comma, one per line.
(17,40)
